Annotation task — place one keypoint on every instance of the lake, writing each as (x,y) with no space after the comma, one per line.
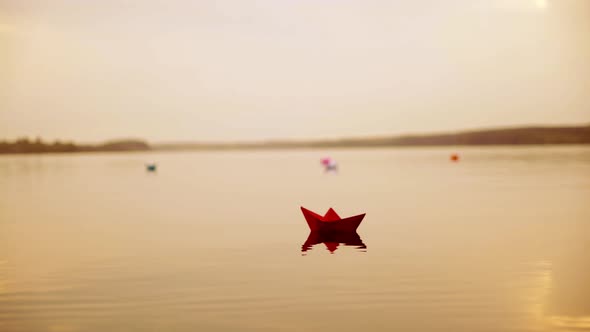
(214,241)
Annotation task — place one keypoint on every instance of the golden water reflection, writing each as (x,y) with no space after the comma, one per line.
(562,302)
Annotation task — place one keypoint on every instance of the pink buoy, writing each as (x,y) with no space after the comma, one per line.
(329,164)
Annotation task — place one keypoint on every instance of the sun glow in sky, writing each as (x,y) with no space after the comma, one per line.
(542,4)
(227,70)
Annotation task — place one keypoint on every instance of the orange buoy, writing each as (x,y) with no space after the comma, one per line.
(454,157)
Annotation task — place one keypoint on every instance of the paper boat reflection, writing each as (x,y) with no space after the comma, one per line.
(331,221)
(333,240)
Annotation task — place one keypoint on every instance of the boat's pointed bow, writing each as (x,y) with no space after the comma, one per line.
(354,222)
(312,218)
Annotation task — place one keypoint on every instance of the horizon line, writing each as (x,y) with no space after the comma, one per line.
(304,140)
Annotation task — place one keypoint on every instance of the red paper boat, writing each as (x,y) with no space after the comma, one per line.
(331,222)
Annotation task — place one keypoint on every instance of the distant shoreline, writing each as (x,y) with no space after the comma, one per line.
(503,136)
(522,136)
(38,146)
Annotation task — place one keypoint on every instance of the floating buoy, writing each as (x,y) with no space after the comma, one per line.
(329,164)
(454,157)
(151,167)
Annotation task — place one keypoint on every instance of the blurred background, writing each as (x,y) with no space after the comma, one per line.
(154,156)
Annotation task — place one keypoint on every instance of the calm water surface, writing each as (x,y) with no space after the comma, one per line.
(213,241)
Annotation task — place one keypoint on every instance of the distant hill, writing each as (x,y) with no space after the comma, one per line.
(123,145)
(24,145)
(503,136)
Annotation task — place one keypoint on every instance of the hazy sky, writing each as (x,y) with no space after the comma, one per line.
(226,70)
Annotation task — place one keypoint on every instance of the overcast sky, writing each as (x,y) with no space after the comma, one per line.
(230,70)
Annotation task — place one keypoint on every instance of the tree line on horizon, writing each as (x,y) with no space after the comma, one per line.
(25,145)
(505,136)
